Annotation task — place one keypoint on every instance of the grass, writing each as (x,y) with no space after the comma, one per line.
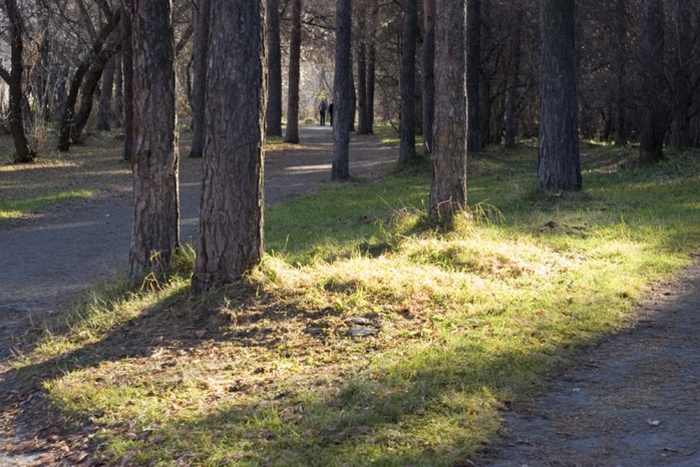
(366,336)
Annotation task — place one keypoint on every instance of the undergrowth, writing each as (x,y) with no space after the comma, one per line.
(366,336)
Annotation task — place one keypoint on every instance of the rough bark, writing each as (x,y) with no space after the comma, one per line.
(340,169)
(448,191)
(428,75)
(651,144)
(407,130)
(23,154)
(559,159)
(292,134)
(201,33)
(104,109)
(474,74)
(231,207)
(274,66)
(155,228)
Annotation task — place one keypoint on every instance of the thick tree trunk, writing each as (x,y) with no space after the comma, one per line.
(155,230)
(231,208)
(651,144)
(104,109)
(292,134)
(407,130)
(428,74)
(448,191)
(340,169)
(201,37)
(274,67)
(559,158)
(23,154)
(474,74)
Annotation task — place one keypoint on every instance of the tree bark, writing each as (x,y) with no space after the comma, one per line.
(23,154)
(118,116)
(292,134)
(104,109)
(474,74)
(274,73)
(231,208)
(651,144)
(340,169)
(407,131)
(201,33)
(559,158)
(155,229)
(428,74)
(448,191)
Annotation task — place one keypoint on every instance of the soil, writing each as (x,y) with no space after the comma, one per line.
(629,400)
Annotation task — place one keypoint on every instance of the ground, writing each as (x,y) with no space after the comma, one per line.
(631,399)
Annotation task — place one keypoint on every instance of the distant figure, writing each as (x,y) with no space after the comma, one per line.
(330,112)
(322,109)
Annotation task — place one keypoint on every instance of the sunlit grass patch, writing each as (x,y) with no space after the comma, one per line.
(367,335)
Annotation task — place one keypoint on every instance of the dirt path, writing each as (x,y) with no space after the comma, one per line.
(631,400)
(47,259)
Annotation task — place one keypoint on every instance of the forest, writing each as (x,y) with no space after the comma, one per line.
(544,181)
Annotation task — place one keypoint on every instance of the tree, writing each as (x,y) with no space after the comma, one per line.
(559,159)
(407,146)
(340,169)
(428,75)
(155,230)
(104,110)
(23,154)
(292,135)
(274,67)
(448,191)
(474,74)
(652,130)
(201,33)
(231,208)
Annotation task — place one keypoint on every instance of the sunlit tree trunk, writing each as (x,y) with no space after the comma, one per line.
(231,208)
(292,134)
(274,67)
(155,229)
(407,145)
(340,169)
(559,158)
(448,191)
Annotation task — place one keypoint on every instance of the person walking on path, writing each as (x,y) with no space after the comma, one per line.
(322,110)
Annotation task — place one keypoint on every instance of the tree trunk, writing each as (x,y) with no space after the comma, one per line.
(428,74)
(274,73)
(23,154)
(448,191)
(155,229)
(292,135)
(201,33)
(620,57)
(559,158)
(651,144)
(473,73)
(128,76)
(231,208)
(512,93)
(118,116)
(104,110)
(340,169)
(681,99)
(407,145)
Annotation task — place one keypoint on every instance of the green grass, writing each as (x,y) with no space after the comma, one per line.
(460,323)
(17,208)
